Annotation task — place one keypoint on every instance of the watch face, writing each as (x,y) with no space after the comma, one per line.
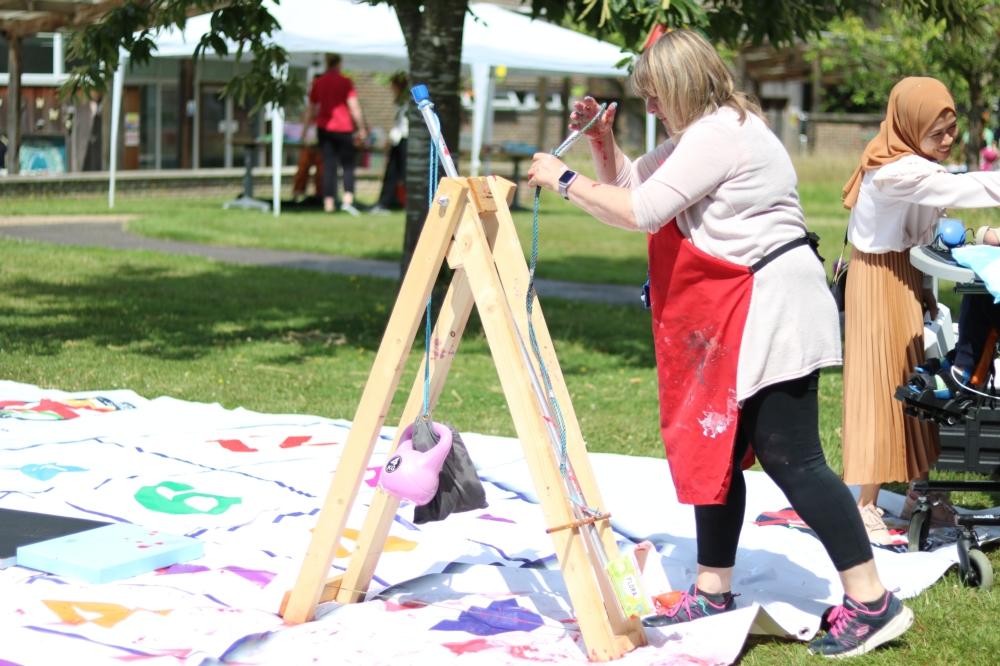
(567,176)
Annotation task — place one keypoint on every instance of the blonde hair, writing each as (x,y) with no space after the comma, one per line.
(688,79)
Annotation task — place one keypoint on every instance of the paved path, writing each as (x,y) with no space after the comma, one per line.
(112,234)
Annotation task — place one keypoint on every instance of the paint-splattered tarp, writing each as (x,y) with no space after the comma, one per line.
(479,587)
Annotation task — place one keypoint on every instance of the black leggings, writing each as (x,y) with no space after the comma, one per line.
(336,148)
(782,421)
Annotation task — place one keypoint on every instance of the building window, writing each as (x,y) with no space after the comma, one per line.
(36,55)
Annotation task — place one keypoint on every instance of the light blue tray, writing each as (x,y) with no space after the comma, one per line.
(109,553)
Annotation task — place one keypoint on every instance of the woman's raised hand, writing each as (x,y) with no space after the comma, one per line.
(587,108)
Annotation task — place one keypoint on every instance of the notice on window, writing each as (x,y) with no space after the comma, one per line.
(131,129)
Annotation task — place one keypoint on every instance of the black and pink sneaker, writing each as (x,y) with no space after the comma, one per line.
(856,628)
(692,605)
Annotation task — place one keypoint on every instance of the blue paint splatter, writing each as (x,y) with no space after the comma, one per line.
(46,471)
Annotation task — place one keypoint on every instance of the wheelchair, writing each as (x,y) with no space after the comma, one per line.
(964,406)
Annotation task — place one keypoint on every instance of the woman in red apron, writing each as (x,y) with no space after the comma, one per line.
(742,322)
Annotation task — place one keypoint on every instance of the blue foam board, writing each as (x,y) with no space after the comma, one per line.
(109,553)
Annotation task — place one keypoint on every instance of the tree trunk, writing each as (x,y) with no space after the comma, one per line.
(434,45)
(976,107)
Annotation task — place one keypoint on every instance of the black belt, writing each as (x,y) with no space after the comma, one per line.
(809,239)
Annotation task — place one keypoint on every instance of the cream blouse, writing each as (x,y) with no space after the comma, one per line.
(732,189)
(900,203)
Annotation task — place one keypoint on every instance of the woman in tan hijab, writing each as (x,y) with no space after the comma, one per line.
(896,196)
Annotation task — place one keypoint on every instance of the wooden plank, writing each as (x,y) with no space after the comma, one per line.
(48,17)
(576,563)
(380,388)
(484,226)
(447,334)
(453,316)
(513,272)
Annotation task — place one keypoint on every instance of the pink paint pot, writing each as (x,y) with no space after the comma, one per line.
(413,475)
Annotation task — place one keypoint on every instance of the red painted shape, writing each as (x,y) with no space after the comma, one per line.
(63,410)
(235,445)
(295,440)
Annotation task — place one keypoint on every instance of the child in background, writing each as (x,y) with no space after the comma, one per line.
(988,157)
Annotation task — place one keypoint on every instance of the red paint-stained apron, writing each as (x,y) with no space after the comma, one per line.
(699,307)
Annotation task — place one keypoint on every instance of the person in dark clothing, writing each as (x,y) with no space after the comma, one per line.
(393,194)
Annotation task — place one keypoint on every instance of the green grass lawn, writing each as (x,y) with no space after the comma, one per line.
(572,247)
(278,340)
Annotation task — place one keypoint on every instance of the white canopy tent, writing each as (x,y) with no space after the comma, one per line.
(369,37)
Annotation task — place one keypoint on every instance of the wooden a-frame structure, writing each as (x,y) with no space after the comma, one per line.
(469,225)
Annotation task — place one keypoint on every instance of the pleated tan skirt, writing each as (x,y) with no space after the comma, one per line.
(883,342)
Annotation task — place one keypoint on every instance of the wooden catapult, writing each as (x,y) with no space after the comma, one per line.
(469,224)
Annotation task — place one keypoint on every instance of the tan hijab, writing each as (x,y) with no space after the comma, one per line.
(914,105)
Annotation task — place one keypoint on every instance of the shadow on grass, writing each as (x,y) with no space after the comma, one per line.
(594,269)
(183,309)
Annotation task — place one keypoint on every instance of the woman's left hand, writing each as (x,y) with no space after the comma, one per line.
(545,171)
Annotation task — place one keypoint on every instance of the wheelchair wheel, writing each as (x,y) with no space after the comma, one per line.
(920,527)
(980,573)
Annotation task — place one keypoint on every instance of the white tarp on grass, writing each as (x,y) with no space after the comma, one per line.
(479,586)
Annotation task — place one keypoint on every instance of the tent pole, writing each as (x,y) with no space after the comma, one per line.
(567,90)
(277,139)
(116,108)
(481,74)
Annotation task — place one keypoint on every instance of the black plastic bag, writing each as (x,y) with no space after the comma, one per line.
(459,487)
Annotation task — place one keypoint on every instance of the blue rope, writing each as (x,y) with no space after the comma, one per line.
(536,348)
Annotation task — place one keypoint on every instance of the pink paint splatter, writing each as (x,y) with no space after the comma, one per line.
(528,653)
(475,645)
(179,654)
(182,569)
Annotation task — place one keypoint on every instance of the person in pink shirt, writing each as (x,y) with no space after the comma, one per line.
(334,106)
